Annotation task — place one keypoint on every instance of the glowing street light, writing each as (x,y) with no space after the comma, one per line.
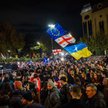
(62,54)
(38,43)
(51,26)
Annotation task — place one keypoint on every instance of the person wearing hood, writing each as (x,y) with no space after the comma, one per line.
(95,98)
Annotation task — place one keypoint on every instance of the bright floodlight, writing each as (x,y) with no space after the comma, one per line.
(51,25)
(38,43)
(62,53)
(62,59)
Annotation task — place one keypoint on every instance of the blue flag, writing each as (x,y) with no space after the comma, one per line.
(74,48)
(78,51)
(56,31)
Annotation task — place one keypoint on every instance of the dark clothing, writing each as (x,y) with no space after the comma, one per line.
(105,92)
(96,101)
(15,102)
(34,105)
(70,79)
(43,96)
(74,103)
(65,94)
(53,99)
(4,100)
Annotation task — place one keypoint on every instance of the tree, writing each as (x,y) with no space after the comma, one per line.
(101,43)
(48,43)
(98,44)
(10,39)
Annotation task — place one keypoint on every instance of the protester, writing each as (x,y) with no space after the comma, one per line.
(95,98)
(75,101)
(53,97)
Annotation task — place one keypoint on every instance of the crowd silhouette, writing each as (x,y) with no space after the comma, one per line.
(56,84)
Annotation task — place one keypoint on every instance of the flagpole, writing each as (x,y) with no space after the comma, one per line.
(52,47)
(2,74)
(52,26)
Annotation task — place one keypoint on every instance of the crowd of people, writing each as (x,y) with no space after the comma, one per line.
(56,84)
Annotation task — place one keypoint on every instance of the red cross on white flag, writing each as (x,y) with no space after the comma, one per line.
(65,40)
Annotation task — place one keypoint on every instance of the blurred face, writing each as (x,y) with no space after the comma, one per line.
(105,82)
(83,75)
(49,87)
(90,92)
(71,72)
(61,82)
(23,101)
(95,76)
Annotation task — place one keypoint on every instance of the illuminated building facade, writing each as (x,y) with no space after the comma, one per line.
(95,19)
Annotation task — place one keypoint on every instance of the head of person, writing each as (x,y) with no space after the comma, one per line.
(50,85)
(27,98)
(71,72)
(105,82)
(18,85)
(63,80)
(91,90)
(75,92)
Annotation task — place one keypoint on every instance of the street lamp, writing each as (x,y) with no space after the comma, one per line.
(8,53)
(38,43)
(51,26)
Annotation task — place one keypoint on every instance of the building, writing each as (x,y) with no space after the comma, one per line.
(95,19)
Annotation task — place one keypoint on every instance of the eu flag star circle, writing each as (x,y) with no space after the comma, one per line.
(55,32)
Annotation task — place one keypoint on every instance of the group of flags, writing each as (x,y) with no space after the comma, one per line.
(67,41)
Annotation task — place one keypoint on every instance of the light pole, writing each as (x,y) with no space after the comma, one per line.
(40,49)
(52,26)
(8,53)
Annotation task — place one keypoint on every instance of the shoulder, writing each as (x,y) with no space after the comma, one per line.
(35,105)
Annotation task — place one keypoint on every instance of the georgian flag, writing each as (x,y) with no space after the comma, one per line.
(65,40)
(56,51)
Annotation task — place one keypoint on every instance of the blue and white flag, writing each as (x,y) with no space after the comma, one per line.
(56,31)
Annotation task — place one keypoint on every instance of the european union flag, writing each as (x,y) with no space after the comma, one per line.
(56,31)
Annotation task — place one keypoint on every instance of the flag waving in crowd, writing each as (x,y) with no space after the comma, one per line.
(78,50)
(56,51)
(66,41)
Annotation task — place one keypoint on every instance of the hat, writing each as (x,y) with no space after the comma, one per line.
(28,96)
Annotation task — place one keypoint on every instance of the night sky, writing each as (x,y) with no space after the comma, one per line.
(33,16)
